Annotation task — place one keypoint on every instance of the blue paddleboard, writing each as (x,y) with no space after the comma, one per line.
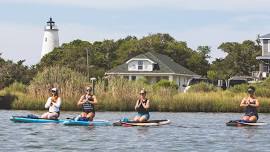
(33,120)
(87,123)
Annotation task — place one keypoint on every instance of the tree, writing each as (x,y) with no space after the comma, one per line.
(212,75)
(240,59)
(198,60)
(11,72)
(104,55)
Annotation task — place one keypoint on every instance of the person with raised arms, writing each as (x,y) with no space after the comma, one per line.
(87,102)
(251,104)
(53,103)
(142,107)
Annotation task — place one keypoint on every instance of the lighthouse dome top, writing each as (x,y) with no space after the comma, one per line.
(51,25)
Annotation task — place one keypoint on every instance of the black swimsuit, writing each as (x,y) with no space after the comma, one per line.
(141,110)
(250,110)
(88,107)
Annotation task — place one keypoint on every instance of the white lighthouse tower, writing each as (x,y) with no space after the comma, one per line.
(50,39)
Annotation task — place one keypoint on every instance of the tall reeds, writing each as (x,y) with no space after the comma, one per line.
(121,95)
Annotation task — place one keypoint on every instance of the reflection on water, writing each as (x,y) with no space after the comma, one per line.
(187,132)
(142,130)
(250,131)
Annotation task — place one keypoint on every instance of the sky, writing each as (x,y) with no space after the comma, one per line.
(197,22)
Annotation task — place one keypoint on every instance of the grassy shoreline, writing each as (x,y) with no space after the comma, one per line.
(121,95)
(161,100)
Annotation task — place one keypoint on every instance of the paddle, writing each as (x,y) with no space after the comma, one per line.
(93,79)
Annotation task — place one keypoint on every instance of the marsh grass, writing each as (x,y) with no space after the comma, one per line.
(121,95)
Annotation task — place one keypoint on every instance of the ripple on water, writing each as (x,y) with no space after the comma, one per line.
(187,132)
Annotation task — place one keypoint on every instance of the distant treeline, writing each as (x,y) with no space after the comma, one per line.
(104,55)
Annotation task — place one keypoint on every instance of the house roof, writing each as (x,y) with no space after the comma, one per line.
(266,36)
(165,63)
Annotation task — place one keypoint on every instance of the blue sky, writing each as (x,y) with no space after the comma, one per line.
(198,22)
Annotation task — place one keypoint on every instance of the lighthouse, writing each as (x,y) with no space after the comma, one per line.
(50,39)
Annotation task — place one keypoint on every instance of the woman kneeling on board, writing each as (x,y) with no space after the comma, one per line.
(88,102)
(53,103)
(250,103)
(142,107)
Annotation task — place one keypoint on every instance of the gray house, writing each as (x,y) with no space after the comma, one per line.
(264,59)
(153,67)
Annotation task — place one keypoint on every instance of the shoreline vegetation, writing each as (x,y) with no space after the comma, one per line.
(27,87)
(121,95)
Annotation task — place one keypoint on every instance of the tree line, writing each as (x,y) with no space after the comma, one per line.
(106,54)
(11,72)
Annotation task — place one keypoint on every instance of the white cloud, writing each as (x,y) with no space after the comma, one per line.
(215,5)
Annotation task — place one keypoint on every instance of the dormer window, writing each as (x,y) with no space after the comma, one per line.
(140,65)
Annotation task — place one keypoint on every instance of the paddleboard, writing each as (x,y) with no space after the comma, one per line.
(33,120)
(242,123)
(87,123)
(147,123)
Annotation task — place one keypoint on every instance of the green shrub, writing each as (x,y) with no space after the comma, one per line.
(262,89)
(241,88)
(143,80)
(165,84)
(16,87)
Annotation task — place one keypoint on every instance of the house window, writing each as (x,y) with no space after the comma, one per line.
(140,65)
(265,68)
(133,77)
(126,77)
(45,39)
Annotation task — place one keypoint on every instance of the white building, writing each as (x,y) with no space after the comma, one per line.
(50,39)
(153,67)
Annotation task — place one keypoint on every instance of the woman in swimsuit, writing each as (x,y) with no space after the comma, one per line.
(251,104)
(142,107)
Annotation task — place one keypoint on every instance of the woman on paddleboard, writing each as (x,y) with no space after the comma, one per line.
(142,106)
(53,103)
(251,104)
(87,102)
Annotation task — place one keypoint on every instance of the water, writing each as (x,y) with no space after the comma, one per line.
(187,132)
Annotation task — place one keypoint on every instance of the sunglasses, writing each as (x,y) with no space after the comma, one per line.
(88,90)
(53,91)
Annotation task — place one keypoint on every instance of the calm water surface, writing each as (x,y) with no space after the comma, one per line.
(187,132)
